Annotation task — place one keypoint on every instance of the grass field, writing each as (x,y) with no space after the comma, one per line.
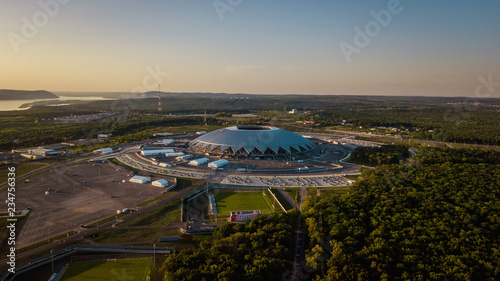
(119,236)
(129,269)
(241,201)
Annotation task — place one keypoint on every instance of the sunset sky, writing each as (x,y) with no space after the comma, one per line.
(435,48)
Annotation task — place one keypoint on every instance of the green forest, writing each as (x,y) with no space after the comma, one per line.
(473,125)
(386,154)
(418,118)
(438,219)
(259,249)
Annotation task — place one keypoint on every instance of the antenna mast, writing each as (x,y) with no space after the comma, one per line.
(159,99)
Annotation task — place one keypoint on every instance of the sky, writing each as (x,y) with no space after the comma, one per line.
(386,47)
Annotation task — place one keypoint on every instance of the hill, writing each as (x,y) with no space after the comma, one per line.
(25,95)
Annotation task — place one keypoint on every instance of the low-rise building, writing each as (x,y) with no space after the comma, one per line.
(140,179)
(199,161)
(45,152)
(239,216)
(106,150)
(31,156)
(160,183)
(104,136)
(218,164)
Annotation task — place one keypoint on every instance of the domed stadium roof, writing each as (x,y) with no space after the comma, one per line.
(253,141)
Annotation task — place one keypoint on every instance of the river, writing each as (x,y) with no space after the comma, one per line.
(8,105)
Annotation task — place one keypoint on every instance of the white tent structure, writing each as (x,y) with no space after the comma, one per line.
(199,161)
(140,179)
(167,141)
(156,152)
(160,183)
(174,154)
(106,150)
(218,164)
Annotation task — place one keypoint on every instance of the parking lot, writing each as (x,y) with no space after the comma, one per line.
(79,194)
(306,181)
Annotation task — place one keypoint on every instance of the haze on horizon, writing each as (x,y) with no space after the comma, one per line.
(425,48)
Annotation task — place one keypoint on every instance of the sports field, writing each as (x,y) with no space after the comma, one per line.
(241,201)
(128,269)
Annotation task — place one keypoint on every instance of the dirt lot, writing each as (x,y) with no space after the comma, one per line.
(84,198)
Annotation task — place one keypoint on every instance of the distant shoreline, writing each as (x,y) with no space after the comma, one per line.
(19,95)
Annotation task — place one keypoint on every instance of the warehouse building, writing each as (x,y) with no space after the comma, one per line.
(184,157)
(199,161)
(139,179)
(31,156)
(218,164)
(104,136)
(45,152)
(106,150)
(167,141)
(174,154)
(160,183)
(156,152)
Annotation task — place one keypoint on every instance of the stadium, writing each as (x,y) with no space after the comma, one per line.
(253,142)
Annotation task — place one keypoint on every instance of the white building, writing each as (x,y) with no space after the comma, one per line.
(160,183)
(243,215)
(139,179)
(167,141)
(31,156)
(106,150)
(294,111)
(218,164)
(45,152)
(104,136)
(184,157)
(199,161)
(174,154)
(156,152)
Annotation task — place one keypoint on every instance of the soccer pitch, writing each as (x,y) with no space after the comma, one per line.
(128,269)
(241,201)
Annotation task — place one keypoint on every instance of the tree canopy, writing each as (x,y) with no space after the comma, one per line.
(436,221)
(259,249)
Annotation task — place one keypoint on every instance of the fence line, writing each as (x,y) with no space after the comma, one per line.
(275,198)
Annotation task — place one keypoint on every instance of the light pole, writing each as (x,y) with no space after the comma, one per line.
(154,255)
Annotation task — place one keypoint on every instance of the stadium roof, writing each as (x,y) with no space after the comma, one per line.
(253,141)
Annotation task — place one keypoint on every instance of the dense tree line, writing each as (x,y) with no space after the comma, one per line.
(256,250)
(414,222)
(478,125)
(386,154)
(36,128)
(430,155)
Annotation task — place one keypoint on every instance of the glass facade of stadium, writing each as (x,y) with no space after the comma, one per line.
(253,142)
